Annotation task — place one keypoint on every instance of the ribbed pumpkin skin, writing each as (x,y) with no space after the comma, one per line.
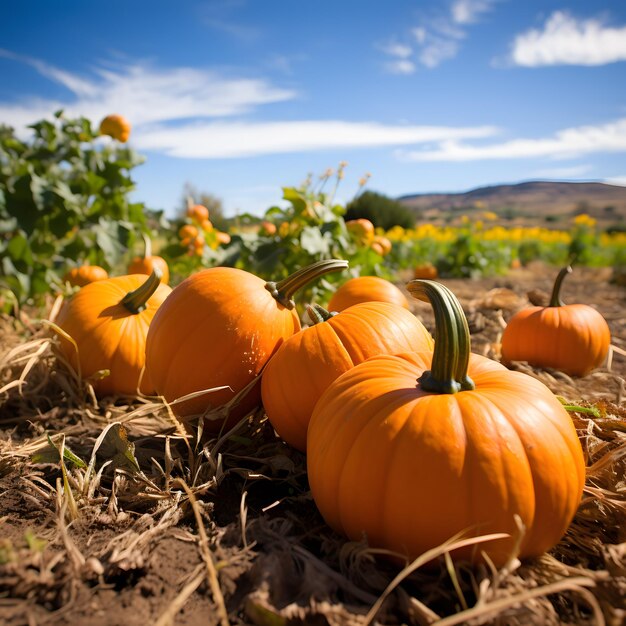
(145,265)
(219,327)
(366,289)
(309,361)
(573,338)
(409,469)
(108,335)
(85,274)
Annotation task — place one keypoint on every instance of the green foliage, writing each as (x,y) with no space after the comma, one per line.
(63,201)
(382,211)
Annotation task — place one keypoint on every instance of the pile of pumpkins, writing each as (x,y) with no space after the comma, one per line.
(409,441)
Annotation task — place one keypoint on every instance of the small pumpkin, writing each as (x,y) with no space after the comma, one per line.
(366,289)
(425,270)
(219,328)
(147,263)
(383,244)
(198,213)
(361,229)
(108,320)
(116,126)
(410,450)
(309,361)
(85,274)
(572,338)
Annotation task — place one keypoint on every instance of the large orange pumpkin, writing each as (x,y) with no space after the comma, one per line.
(145,264)
(108,320)
(219,328)
(309,361)
(116,126)
(366,289)
(572,338)
(85,274)
(410,450)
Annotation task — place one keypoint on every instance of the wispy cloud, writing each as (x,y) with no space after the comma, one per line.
(436,38)
(243,139)
(575,171)
(144,94)
(564,40)
(617,180)
(192,113)
(565,144)
(221,15)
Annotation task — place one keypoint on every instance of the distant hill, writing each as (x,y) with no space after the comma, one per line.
(533,200)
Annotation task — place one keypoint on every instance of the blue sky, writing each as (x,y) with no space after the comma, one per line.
(241,97)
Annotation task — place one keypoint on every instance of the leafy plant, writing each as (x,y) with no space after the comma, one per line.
(63,201)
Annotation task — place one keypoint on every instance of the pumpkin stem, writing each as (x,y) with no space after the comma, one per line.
(555,298)
(318,314)
(284,290)
(448,372)
(135,301)
(147,242)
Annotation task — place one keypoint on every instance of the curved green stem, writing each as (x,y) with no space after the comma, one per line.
(318,314)
(147,242)
(284,290)
(135,301)
(555,298)
(448,372)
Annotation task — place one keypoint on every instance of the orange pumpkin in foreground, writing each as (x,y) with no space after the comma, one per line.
(145,264)
(116,126)
(309,361)
(85,274)
(366,289)
(410,450)
(108,320)
(571,338)
(218,329)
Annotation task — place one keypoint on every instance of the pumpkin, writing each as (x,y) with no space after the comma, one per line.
(198,213)
(219,328)
(383,243)
(572,338)
(108,321)
(85,274)
(361,229)
(377,248)
(116,126)
(410,450)
(309,361)
(147,263)
(425,270)
(366,289)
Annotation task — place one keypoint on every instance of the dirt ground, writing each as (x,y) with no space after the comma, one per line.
(157,529)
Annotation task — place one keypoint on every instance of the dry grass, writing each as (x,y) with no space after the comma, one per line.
(151,526)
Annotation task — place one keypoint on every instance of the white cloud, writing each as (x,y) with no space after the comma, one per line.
(144,94)
(438,38)
(216,140)
(400,66)
(468,11)
(567,41)
(395,49)
(616,180)
(575,171)
(565,144)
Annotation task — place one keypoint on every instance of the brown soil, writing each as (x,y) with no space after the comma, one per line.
(227,531)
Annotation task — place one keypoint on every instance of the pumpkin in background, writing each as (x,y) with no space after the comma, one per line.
(219,328)
(425,270)
(410,450)
(382,245)
(116,126)
(85,274)
(361,229)
(147,263)
(571,338)
(108,320)
(366,289)
(309,361)
(198,213)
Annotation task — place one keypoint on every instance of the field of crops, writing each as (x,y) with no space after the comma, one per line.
(123,504)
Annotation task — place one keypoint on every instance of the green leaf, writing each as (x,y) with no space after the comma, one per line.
(50,454)
(119,449)
(313,242)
